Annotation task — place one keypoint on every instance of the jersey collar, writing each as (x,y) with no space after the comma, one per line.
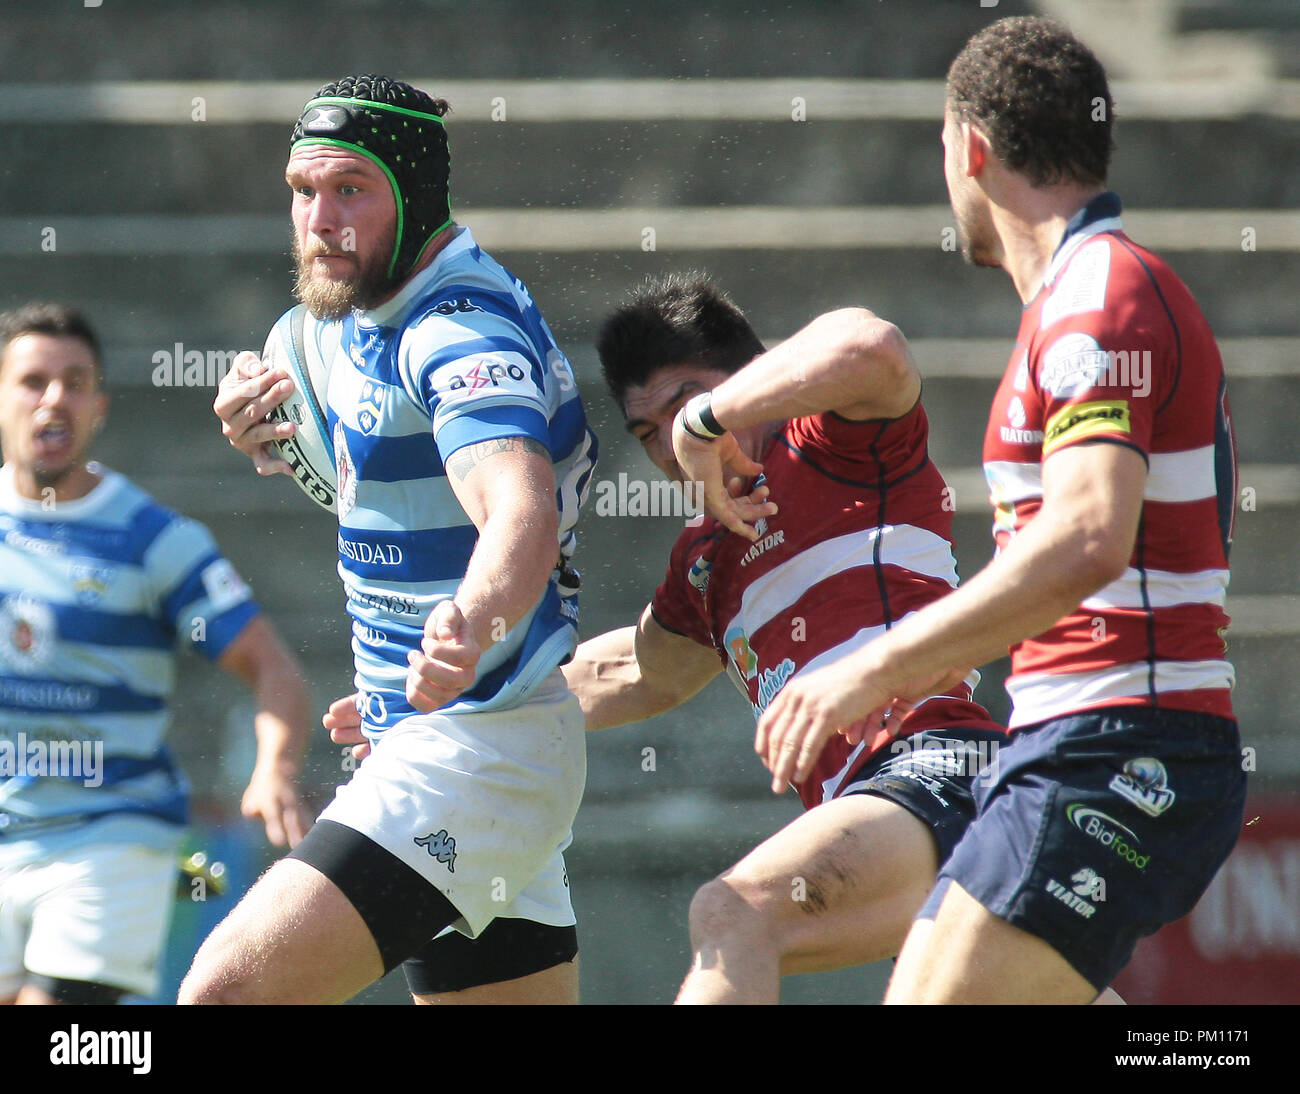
(1101,214)
(393,312)
(99,495)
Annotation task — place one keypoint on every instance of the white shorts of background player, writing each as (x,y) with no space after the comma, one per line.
(98,913)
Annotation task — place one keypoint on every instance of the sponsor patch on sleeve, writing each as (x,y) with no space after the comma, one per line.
(1073,364)
(1073,423)
(225,588)
(483,375)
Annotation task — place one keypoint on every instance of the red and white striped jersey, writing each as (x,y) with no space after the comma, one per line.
(1114,349)
(863,537)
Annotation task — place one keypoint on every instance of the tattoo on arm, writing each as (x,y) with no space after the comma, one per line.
(464,460)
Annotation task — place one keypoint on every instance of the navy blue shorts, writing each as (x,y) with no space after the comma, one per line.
(1102,827)
(931,774)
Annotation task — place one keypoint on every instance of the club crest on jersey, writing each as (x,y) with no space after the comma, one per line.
(369,406)
(441,846)
(345,471)
(89,582)
(27,631)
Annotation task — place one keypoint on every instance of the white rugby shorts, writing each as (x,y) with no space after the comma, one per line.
(481,804)
(97,913)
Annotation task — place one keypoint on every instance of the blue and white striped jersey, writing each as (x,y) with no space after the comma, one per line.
(94,595)
(461,355)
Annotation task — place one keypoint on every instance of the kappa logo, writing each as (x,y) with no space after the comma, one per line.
(451,307)
(441,846)
(1145,784)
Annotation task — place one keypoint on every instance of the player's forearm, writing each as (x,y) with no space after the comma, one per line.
(1041,576)
(844,360)
(517,550)
(283,718)
(609,683)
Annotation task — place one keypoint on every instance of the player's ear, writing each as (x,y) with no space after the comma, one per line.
(976,148)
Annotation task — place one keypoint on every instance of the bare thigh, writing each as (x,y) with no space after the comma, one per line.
(294,938)
(839,886)
(969,955)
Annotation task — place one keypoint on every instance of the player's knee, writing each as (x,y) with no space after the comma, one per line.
(202,987)
(727,906)
(214,978)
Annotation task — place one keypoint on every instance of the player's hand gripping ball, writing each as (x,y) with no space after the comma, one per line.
(304,347)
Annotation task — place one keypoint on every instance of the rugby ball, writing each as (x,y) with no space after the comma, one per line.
(304,347)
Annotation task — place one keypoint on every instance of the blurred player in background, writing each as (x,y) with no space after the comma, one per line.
(98,583)
(1111,462)
(463,457)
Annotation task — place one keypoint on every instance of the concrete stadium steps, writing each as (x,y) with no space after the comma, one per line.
(146,304)
(1250,162)
(545,38)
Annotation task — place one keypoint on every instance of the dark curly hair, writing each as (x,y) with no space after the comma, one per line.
(1040,96)
(681,319)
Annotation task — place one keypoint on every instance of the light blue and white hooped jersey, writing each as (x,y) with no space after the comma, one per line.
(95,595)
(460,356)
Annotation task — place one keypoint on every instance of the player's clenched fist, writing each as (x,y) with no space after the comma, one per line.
(247,394)
(444,665)
(343,720)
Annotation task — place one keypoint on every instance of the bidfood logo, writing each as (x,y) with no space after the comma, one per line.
(1107,831)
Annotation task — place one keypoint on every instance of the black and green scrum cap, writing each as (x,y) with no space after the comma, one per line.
(408,144)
